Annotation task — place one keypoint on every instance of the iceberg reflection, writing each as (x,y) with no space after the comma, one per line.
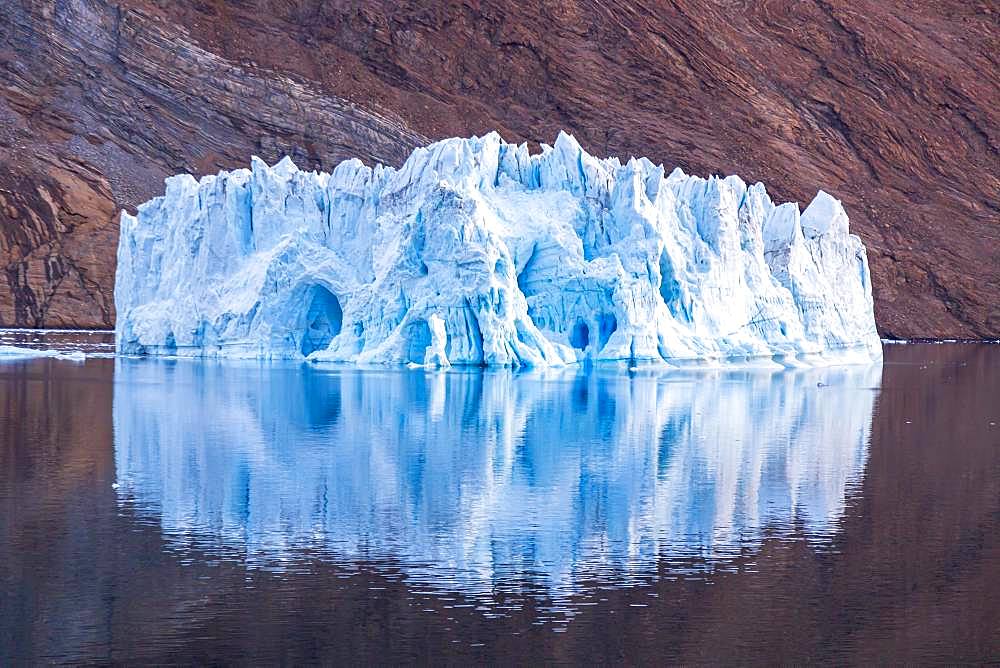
(483,481)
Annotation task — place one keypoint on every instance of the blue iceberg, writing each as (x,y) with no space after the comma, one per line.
(478,252)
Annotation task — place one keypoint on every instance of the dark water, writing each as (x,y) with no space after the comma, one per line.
(178,511)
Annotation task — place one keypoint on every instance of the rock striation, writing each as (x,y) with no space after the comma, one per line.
(477,251)
(889,105)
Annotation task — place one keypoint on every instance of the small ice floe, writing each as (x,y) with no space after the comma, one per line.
(17,352)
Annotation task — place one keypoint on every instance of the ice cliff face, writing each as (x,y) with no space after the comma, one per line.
(477,252)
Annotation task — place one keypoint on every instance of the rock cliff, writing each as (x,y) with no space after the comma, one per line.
(888,105)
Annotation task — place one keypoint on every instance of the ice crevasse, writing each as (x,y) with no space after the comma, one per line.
(477,251)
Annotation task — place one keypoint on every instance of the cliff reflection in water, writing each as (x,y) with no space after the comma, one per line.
(482,481)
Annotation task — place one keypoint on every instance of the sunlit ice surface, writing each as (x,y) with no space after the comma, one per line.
(549,484)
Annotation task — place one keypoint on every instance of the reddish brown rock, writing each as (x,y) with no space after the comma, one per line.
(890,105)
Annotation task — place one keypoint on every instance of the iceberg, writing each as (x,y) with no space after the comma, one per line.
(479,252)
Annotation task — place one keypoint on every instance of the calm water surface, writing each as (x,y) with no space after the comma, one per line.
(182,511)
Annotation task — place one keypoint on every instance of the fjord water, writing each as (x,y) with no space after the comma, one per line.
(182,511)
